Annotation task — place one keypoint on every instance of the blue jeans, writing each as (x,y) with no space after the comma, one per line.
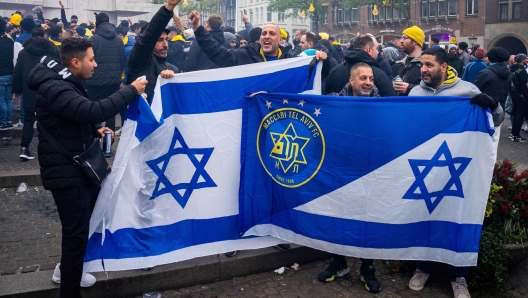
(454,272)
(6,103)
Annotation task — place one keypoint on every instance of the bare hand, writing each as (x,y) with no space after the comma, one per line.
(122,85)
(171,4)
(194,17)
(167,74)
(17,96)
(129,19)
(102,130)
(401,87)
(245,18)
(60,3)
(140,85)
(320,55)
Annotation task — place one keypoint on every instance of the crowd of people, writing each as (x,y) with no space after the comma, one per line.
(71,77)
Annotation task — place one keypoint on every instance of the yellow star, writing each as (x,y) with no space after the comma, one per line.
(284,101)
(317,112)
(301,103)
(268,104)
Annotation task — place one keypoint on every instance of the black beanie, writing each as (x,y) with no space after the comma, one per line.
(27,24)
(498,55)
(254,34)
(463,45)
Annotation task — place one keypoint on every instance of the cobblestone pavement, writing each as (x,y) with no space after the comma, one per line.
(9,153)
(30,241)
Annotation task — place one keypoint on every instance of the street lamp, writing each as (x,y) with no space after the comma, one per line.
(472,40)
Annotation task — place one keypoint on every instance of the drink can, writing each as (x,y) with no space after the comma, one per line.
(107,143)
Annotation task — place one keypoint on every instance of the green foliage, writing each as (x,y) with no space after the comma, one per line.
(201,5)
(489,277)
(300,5)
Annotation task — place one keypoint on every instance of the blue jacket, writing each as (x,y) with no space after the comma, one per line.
(472,69)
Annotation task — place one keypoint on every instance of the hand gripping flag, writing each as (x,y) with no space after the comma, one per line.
(383,178)
(173,191)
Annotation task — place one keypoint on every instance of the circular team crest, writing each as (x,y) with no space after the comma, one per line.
(291,146)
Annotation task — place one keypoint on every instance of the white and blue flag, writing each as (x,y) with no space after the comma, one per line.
(404,178)
(173,191)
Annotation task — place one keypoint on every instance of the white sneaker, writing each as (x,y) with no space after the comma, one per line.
(523,128)
(418,280)
(87,280)
(118,132)
(460,289)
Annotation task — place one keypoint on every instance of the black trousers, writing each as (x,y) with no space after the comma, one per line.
(102,92)
(342,260)
(521,113)
(75,206)
(29,121)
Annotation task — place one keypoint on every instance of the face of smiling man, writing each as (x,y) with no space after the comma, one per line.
(269,40)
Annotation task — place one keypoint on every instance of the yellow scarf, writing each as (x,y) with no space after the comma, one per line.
(57,43)
(264,57)
(125,40)
(336,43)
(452,75)
(178,37)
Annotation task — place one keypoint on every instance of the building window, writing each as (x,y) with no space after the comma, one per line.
(388,14)
(340,14)
(452,8)
(503,11)
(347,15)
(424,8)
(281,17)
(516,9)
(324,17)
(295,16)
(381,14)
(354,17)
(268,13)
(432,8)
(472,7)
(251,15)
(441,8)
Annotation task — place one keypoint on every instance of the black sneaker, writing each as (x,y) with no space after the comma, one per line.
(333,270)
(231,253)
(519,139)
(25,154)
(368,277)
(283,247)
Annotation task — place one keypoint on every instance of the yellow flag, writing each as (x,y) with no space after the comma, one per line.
(375,10)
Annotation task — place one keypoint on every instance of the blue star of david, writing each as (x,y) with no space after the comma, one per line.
(428,165)
(159,165)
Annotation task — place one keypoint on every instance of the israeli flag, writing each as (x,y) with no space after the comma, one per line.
(173,191)
(404,178)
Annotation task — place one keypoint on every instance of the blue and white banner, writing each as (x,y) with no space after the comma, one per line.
(173,191)
(403,178)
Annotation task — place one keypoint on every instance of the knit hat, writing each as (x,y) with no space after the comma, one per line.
(81,31)
(480,53)
(254,34)
(15,19)
(283,33)
(520,58)
(449,47)
(189,33)
(498,55)
(229,37)
(463,45)
(124,24)
(27,24)
(416,34)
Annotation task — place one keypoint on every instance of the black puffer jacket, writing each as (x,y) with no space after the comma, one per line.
(457,64)
(175,54)
(34,49)
(519,79)
(69,116)
(109,52)
(494,81)
(339,75)
(6,58)
(197,59)
(409,70)
(142,61)
(226,58)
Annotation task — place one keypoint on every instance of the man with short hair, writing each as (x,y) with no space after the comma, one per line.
(196,58)
(360,83)
(308,41)
(148,56)
(55,35)
(364,49)
(434,43)
(134,30)
(438,79)
(475,66)
(408,69)
(73,19)
(175,54)
(454,61)
(297,41)
(65,112)
(110,55)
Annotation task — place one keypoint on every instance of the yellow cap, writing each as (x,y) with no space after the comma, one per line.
(284,34)
(324,35)
(416,34)
(15,19)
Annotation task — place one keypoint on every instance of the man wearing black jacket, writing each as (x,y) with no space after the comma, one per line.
(519,94)
(65,112)
(268,48)
(495,80)
(148,56)
(110,56)
(196,58)
(34,49)
(364,49)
